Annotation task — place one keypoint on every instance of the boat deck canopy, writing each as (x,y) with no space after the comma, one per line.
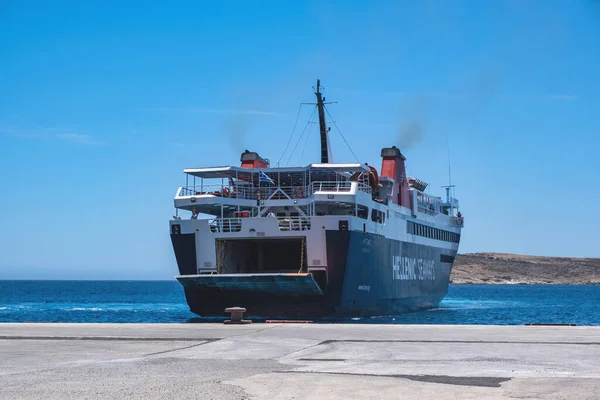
(233,171)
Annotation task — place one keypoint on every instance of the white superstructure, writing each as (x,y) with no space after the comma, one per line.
(303,202)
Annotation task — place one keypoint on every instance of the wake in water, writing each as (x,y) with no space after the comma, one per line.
(465,304)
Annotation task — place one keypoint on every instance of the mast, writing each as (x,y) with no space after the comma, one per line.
(325,146)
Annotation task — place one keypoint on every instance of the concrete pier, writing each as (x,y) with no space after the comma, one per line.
(294,361)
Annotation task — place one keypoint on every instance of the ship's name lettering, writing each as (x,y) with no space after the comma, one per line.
(407,269)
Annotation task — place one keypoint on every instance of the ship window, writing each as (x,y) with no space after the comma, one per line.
(429,231)
(377,216)
(363,212)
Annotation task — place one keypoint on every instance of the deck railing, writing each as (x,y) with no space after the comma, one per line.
(293,224)
(428,204)
(246,192)
(243,192)
(227,225)
(270,192)
(343,186)
(427,209)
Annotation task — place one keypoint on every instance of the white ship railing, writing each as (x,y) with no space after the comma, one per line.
(363,187)
(283,192)
(270,192)
(427,204)
(346,186)
(427,209)
(227,225)
(246,192)
(293,224)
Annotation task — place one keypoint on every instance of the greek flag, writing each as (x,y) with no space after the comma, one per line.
(263,178)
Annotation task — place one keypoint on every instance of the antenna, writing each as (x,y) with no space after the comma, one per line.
(449,171)
(450,185)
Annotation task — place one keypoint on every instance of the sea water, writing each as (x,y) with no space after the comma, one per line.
(164,302)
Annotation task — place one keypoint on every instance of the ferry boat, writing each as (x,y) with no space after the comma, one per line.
(325,239)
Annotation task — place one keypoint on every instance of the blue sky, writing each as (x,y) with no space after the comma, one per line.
(103,104)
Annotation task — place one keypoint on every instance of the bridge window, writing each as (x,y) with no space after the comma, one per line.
(377,216)
(363,212)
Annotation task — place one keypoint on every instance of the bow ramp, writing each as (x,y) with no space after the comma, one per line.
(302,284)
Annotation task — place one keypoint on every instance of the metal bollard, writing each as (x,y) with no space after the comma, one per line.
(237,315)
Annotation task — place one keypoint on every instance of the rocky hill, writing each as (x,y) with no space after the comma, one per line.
(514,268)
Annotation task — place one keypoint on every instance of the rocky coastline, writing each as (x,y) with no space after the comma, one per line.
(501,268)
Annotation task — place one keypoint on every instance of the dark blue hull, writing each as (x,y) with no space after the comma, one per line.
(367,275)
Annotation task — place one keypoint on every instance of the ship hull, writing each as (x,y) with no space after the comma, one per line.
(368,275)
